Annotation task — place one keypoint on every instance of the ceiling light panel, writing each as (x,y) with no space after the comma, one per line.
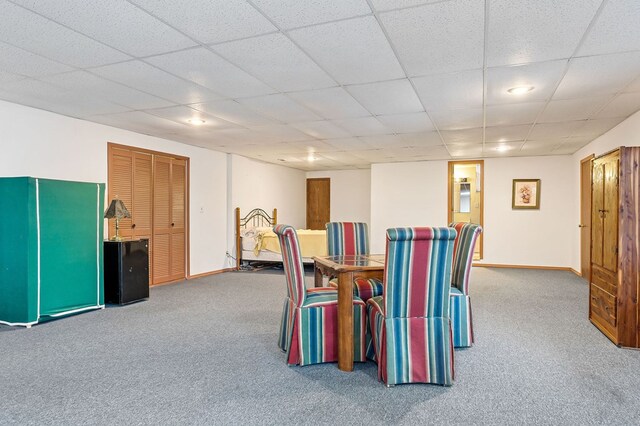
(210,21)
(615,30)
(387,97)
(407,123)
(156,82)
(437,38)
(275,60)
(599,75)
(331,103)
(289,14)
(536,30)
(39,35)
(279,107)
(544,77)
(451,91)
(122,18)
(367,57)
(209,70)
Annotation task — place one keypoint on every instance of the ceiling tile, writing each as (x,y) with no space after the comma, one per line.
(140,122)
(156,82)
(331,103)
(420,153)
(462,137)
(236,136)
(569,146)
(279,107)
(31,32)
(387,97)
(450,91)
(456,119)
(373,155)
(182,114)
(362,126)
(233,112)
(92,86)
(29,92)
(634,86)
(348,144)
(572,109)
(210,21)
(6,77)
(17,61)
(540,147)
(124,21)
(615,30)
(545,131)
(289,14)
(407,123)
(506,133)
(385,141)
(465,151)
(599,75)
(275,60)
(622,106)
(524,31)
(421,139)
(501,148)
(398,4)
(513,114)
(279,133)
(209,70)
(591,129)
(437,38)
(367,57)
(312,146)
(321,129)
(542,76)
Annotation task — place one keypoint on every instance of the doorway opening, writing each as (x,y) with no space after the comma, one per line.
(466,196)
(318,202)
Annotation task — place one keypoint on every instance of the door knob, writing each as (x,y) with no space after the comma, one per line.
(582,226)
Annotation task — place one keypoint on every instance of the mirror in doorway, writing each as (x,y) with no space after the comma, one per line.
(466,196)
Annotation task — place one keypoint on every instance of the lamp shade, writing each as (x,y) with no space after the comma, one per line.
(116,209)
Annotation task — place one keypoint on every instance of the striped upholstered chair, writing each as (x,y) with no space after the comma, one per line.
(309,324)
(410,322)
(352,238)
(461,321)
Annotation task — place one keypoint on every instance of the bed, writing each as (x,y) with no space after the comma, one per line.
(256,242)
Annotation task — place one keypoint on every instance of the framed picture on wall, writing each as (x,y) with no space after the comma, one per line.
(525,194)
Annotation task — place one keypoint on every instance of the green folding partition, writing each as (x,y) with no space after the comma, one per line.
(51,236)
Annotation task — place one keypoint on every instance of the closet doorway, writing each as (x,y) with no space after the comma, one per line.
(154,186)
(466,196)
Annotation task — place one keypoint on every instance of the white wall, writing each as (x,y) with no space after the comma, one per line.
(626,133)
(42,144)
(350,194)
(413,194)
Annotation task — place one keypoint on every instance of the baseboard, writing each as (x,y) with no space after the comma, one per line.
(576,272)
(206,274)
(502,265)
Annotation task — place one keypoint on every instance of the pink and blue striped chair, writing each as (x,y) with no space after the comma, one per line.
(349,239)
(461,320)
(309,324)
(410,323)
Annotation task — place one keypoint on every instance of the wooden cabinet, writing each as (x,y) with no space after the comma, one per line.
(153,186)
(615,241)
(126,271)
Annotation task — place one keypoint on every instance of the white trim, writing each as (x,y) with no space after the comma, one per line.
(38,246)
(19,324)
(73,311)
(98,242)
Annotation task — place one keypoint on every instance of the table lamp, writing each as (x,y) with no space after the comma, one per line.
(118,210)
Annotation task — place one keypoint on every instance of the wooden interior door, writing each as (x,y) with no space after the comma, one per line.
(318,202)
(178,216)
(585,217)
(161,220)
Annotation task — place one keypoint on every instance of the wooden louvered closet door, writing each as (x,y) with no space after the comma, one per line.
(154,189)
(169,219)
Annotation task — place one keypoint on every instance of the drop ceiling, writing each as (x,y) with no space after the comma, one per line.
(322,84)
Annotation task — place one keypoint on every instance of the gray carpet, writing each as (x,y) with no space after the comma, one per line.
(204,352)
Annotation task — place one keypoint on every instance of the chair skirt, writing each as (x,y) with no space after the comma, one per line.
(461,320)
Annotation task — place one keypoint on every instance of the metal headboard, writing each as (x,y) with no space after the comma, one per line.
(255,218)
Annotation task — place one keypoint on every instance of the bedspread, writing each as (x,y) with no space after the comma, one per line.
(312,243)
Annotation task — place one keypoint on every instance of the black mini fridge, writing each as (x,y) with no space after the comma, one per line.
(126,271)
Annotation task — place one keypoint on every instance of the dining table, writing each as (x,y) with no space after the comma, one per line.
(347,268)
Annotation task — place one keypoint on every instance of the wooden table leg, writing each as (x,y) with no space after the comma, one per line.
(318,278)
(345,321)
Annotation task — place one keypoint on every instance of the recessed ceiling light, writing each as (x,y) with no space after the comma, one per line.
(502,148)
(196,121)
(520,90)
(311,158)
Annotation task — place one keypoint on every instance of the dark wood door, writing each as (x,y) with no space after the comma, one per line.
(318,205)
(585,217)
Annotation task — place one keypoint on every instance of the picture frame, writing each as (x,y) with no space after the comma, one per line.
(525,194)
